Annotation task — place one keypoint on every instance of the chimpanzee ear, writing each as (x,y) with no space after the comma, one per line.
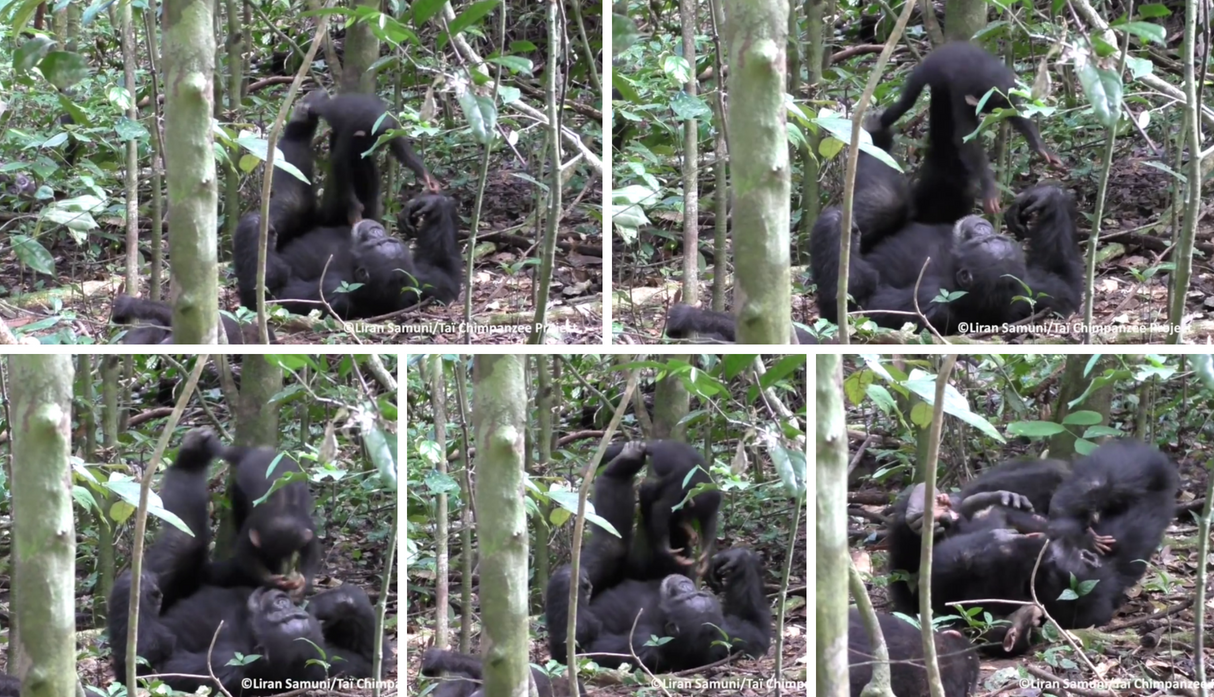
(255,538)
(307,537)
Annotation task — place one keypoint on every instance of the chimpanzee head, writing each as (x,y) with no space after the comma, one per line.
(983,260)
(685,608)
(278,621)
(377,255)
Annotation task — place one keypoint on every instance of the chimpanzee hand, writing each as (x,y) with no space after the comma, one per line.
(730,564)
(1021,215)
(633,450)
(1051,159)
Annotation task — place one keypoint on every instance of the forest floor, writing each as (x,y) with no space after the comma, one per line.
(1130,288)
(75,307)
(1146,640)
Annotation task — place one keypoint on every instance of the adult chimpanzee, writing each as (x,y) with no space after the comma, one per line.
(311,267)
(392,279)
(672,526)
(1105,523)
(957,660)
(465,673)
(273,532)
(177,626)
(893,272)
(919,262)
(960,75)
(352,187)
(154,323)
(1014,495)
(617,615)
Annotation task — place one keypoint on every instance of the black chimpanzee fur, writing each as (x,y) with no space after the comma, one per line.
(1106,517)
(272,533)
(313,266)
(153,323)
(180,612)
(610,601)
(960,75)
(352,187)
(1106,521)
(957,660)
(897,227)
(669,537)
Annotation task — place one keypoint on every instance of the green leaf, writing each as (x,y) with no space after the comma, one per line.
(1082,418)
(31,253)
(481,116)
(425,10)
(1146,31)
(475,13)
(518,65)
(1103,90)
(64,69)
(677,69)
(1035,429)
(1154,10)
(30,52)
(624,33)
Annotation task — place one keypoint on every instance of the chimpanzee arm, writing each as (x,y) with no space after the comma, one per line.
(556,609)
(1029,131)
(347,619)
(439,268)
(862,279)
(1045,215)
(705,326)
(747,614)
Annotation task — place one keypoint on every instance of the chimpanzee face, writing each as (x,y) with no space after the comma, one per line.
(983,258)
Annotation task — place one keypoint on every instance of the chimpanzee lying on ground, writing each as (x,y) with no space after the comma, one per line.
(465,673)
(1019,489)
(310,266)
(956,657)
(154,323)
(610,600)
(911,248)
(180,612)
(989,270)
(1104,519)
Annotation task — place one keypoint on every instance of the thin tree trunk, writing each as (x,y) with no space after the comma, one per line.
(499,418)
(44,534)
(189,65)
(832,552)
(757,40)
